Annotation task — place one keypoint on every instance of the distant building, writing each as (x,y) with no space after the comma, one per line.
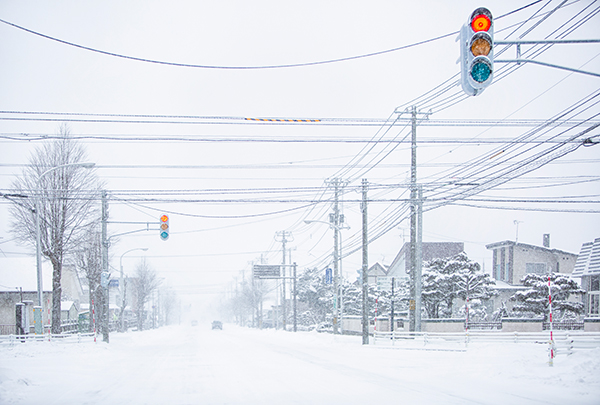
(511,261)
(587,269)
(429,251)
(376,270)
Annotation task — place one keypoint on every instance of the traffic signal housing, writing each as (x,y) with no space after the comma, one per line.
(164,227)
(477,52)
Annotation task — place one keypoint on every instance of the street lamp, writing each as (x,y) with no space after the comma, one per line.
(122,286)
(336,258)
(38,249)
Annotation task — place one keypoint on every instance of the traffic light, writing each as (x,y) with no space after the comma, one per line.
(477,52)
(164,227)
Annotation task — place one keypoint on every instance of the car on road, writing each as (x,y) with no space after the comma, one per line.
(217,325)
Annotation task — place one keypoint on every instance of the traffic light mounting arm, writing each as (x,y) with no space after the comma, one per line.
(519,60)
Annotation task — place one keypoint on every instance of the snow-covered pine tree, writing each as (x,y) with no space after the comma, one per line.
(534,301)
(444,280)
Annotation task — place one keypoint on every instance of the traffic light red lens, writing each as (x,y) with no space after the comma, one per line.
(481,22)
(164,218)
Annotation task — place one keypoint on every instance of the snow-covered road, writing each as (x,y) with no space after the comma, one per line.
(196,365)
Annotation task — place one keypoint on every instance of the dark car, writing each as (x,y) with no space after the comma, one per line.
(217,325)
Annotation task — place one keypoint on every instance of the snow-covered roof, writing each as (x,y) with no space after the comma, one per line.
(66,305)
(504,243)
(588,261)
(502,285)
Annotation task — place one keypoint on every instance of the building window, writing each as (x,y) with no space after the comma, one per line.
(595,283)
(594,304)
(535,268)
(498,272)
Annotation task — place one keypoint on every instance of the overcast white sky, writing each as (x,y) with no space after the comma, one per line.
(211,243)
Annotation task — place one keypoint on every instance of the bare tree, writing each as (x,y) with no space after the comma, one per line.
(170,303)
(89,261)
(66,201)
(144,283)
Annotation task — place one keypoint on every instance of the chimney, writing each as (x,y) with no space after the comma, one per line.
(546,240)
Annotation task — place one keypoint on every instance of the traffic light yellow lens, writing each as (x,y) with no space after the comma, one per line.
(481,46)
(481,23)
(164,227)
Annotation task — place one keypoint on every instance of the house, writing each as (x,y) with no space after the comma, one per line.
(587,268)
(68,311)
(18,283)
(429,251)
(375,271)
(511,261)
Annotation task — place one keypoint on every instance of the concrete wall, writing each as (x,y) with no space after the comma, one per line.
(591,325)
(442,325)
(353,325)
(521,325)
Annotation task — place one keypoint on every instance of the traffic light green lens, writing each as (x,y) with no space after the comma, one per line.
(480,72)
(164,235)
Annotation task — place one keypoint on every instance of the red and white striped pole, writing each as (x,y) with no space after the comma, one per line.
(551,361)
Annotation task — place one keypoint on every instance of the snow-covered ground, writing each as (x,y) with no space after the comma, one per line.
(196,365)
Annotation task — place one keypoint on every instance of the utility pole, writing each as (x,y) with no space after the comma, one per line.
(295,300)
(365,267)
(413,221)
(104,276)
(335,220)
(284,239)
(419,262)
(416,226)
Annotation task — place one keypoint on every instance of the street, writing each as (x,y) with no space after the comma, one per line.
(193,365)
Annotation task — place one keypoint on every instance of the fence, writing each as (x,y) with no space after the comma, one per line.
(564,326)
(8,329)
(565,342)
(483,325)
(64,338)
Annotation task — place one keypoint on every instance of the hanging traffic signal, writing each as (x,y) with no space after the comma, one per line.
(164,227)
(477,52)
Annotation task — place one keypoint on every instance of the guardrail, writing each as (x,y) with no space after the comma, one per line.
(565,342)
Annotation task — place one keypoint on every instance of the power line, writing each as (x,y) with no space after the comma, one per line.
(223,67)
(258,67)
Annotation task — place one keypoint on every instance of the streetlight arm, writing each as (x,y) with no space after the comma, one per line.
(334,226)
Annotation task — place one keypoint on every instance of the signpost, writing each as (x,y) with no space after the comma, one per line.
(266,271)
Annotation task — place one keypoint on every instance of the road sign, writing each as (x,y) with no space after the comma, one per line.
(266,271)
(328,276)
